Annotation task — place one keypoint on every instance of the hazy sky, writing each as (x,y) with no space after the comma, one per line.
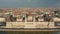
(29,3)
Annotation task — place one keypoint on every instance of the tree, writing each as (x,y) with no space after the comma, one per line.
(47,18)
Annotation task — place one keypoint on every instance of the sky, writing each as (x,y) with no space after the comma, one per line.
(29,3)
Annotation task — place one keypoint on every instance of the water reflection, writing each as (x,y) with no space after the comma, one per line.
(3,32)
(56,32)
(27,32)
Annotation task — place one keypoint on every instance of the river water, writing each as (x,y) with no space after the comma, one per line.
(20,32)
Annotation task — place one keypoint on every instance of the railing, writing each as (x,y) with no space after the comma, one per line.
(30,25)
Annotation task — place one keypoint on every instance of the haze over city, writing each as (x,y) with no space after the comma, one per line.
(29,3)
